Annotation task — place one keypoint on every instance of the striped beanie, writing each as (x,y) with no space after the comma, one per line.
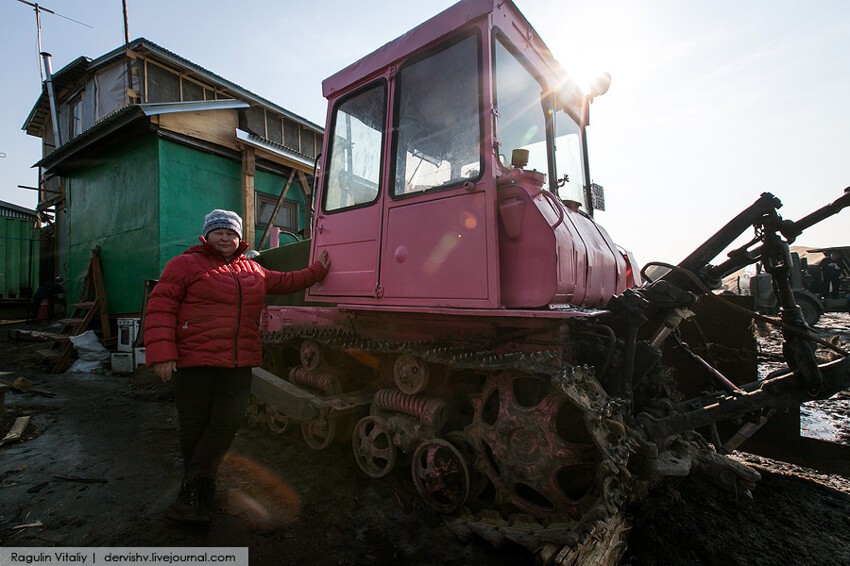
(218,219)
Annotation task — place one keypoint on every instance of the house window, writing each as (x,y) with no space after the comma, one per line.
(254,121)
(274,128)
(163,85)
(287,214)
(192,91)
(307,143)
(75,117)
(290,135)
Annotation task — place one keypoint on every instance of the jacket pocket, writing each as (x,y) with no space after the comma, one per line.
(193,321)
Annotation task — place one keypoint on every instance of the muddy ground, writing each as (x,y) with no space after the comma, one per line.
(99,462)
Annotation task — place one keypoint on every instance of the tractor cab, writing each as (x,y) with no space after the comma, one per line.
(454,173)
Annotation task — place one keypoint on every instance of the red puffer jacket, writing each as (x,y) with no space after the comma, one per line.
(205,311)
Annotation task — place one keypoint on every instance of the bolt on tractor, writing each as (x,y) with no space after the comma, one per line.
(479,331)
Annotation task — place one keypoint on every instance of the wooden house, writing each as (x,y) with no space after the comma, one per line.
(140,143)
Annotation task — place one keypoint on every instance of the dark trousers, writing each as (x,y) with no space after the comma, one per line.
(832,283)
(211,405)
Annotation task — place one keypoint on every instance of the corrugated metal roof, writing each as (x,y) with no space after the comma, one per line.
(156,108)
(9,210)
(274,147)
(127,114)
(40,113)
(82,65)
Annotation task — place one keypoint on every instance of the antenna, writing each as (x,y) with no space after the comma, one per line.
(38,9)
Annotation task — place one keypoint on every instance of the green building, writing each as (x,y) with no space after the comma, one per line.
(19,254)
(143,143)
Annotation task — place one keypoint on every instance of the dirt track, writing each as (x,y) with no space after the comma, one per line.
(99,463)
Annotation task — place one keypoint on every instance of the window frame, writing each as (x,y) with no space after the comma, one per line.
(327,160)
(75,115)
(266,198)
(396,114)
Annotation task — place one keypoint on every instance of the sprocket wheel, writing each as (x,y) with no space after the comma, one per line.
(532,442)
(373,448)
(440,475)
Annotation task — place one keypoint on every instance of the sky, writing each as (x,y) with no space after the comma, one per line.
(712,102)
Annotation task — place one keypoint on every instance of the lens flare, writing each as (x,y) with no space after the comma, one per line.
(255,493)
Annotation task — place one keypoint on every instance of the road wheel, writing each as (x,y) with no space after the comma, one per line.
(811,313)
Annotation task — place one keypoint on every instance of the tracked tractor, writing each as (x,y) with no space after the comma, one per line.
(480,332)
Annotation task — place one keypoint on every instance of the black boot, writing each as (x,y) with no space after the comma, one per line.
(206,493)
(188,508)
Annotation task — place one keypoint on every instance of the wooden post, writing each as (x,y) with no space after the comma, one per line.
(248,213)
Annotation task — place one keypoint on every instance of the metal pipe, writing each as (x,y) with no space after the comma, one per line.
(51,97)
(721,379)
(701,257)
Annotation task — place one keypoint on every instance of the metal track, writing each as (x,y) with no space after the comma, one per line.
(602,416)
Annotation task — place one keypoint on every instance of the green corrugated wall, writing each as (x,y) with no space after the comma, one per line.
(144,202)
(112,204)
(19,255)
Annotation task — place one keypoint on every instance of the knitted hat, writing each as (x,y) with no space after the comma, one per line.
(222,219)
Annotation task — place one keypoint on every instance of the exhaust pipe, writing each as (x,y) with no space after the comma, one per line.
(51,96)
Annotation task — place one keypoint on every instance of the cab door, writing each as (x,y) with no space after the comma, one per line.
(348,222)
(438,228)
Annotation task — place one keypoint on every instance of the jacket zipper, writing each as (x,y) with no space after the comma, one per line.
(190,321)
(238,315)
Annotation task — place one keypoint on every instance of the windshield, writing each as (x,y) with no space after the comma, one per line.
(521,124)
(568,159)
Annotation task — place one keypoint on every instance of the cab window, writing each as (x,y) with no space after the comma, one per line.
(521,122)
(438,120)
(354,170)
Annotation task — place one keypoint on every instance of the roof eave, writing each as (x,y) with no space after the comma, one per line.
(256,141)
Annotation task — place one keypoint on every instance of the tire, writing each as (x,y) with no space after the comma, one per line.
(811,312)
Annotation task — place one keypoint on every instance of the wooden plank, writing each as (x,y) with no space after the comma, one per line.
(17,429)
(248,214)
(100,296)
(48,354)
(302,405)
(216,126)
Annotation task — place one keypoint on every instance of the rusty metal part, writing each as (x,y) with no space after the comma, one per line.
(534,446)
(373,448)
(319,433)
(256,411)
(322,382)
(440,475)
(429,410)
(477,481)
(602,417)
(277,422)
(410,374)
(311,354)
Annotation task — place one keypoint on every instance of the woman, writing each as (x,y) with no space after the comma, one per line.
(202,334)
